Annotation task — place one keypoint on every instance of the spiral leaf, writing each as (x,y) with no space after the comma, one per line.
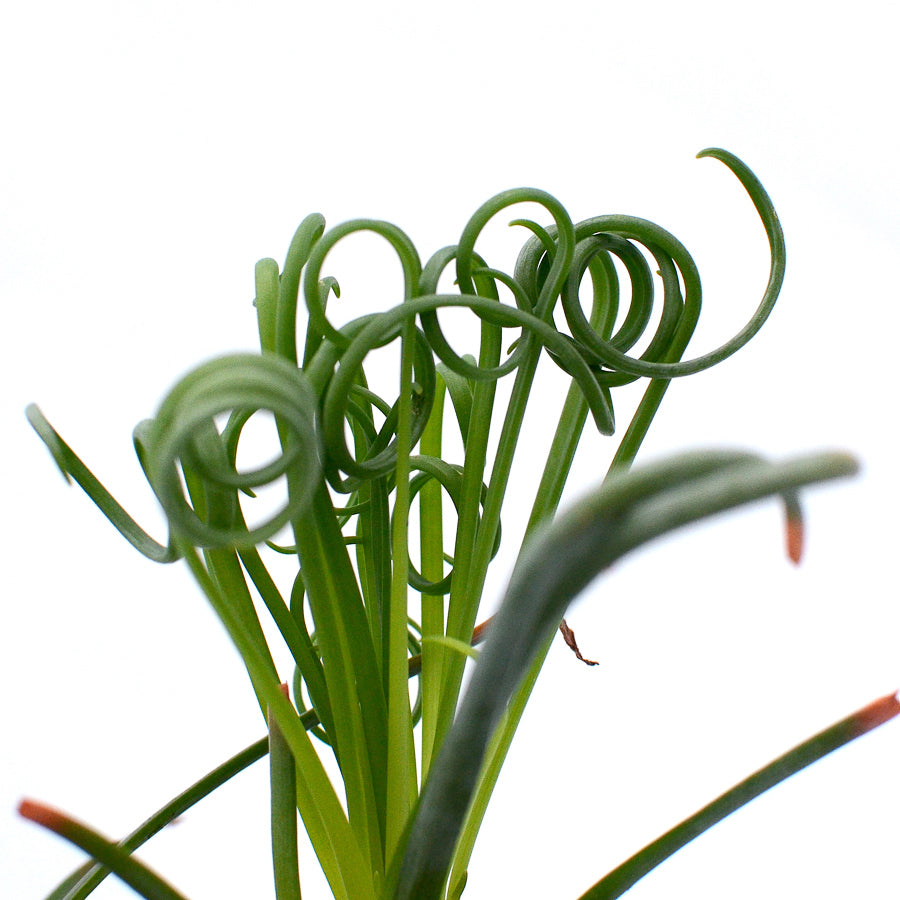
(348,626)
(185,437)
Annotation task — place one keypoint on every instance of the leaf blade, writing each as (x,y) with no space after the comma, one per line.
(617,882)
(561,560)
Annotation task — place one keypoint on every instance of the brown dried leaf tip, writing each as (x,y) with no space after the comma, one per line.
(572,644)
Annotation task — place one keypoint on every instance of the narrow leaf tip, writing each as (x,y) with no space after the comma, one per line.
(876,713)
(794,539)
(41,814)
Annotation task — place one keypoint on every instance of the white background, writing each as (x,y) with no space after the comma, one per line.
(152,152)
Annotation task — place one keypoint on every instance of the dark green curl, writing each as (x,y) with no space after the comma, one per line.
(450,478)
(388,323)
(545,295)
(485,281)
(406,252)
(341,390)
(184,439)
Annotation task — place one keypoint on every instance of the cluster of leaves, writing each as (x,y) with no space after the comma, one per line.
(349,474)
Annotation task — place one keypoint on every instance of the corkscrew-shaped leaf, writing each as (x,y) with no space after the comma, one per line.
(346,623)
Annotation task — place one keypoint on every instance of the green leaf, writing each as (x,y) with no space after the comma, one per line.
(559,561)
(133,872)
(283,779)
(83,880)
(632,870)
(72,467)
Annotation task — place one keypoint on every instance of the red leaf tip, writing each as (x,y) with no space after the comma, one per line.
(876,713)
(794,538)
(39,813)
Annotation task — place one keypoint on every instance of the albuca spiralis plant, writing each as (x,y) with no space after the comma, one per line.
(350,465)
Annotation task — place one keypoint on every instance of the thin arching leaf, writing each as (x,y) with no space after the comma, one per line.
(133,872)
(636,867)
(554,567)
(83,880)
(72,467)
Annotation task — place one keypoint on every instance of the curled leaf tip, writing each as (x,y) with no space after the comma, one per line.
(572,644)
